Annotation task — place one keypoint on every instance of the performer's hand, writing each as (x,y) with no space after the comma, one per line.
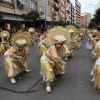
(64,63)
(20,57)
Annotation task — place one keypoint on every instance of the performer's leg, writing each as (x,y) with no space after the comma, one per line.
(48,86)
(12,80)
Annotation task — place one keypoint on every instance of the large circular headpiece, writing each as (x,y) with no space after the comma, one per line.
(20,39)
(58,34)
(31,30)
(71,28)
(95,30)
(5,34)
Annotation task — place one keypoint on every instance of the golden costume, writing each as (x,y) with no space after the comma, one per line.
(67,51)
(51,63)
(14,59)
(96,50)
(5,43)
(96,75)
(31,31)
(43,46)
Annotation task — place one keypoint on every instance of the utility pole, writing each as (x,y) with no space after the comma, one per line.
(45,12)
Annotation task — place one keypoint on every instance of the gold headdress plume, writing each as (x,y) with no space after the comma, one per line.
(5,33)
(31,30)
(58,34)
(20,38)
(71,28)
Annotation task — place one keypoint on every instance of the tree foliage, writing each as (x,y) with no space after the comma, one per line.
(97,16)
(95,21)
(60,23)
(92,23)
(31,16)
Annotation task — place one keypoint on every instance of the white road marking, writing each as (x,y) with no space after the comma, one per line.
(88,46)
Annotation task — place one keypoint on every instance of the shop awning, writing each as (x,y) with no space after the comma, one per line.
(22,2)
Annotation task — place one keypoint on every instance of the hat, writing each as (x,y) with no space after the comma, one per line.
(20,39)
(31,30)
(71,28)
(5,34)
(58,34)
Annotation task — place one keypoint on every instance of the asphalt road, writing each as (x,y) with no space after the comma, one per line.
(74,85)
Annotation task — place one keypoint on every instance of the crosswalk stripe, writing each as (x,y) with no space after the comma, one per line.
(88,46)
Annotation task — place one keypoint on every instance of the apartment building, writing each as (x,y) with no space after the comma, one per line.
(43,7)
(88,17)
(72,14)
(12,10)
(77,12)
(68,11)
(82,20)
(85,19)
(58,10)
(62,10)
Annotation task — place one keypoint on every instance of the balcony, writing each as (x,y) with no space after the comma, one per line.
(41,13)
(6,4)
(55,5)
(55,18)
(53,13)
(56,0)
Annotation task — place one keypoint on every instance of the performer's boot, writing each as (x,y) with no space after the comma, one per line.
(66,58)
(48,87)
(12,80)
(27,70)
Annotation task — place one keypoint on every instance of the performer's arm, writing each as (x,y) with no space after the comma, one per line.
(54,55)
(13,53)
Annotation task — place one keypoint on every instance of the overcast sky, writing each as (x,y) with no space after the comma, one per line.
(85,7)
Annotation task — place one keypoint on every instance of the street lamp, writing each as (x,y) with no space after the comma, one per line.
(94,6)
(95,10)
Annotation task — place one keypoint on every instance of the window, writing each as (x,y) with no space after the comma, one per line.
(48,12)
(33,5)
(41,10)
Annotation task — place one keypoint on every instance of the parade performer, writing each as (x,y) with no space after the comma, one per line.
(31,31)
(67,51)
(96,50)
(5,42)
(51,62)
(14,59)
(43,46)
(96,75)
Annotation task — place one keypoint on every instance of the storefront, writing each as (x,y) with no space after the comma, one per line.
(10,20)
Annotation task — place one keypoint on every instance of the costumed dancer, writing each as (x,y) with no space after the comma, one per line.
(96,50)
(67,51)
(14,59)
(51,62)
(42,47)
(31,31)
(5,42)
(96,75)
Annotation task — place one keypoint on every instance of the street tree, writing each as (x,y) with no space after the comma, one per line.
(97,16)
(31,16)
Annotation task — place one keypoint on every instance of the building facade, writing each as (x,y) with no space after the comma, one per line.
(11,12)
(72,14)
(85,19)
(77,12)
(68,11)
(58,11)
